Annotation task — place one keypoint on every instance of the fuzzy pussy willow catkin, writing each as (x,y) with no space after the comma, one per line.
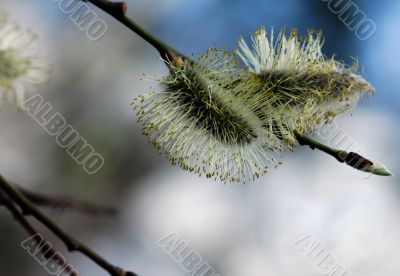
(203,124)
(20,61)
(310,88)
(217,119)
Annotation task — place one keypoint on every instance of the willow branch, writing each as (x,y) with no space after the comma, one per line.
(28,209)
(118,11)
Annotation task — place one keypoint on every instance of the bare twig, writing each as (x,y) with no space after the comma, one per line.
(28,208)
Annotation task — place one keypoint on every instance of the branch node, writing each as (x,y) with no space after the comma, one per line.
(118,8)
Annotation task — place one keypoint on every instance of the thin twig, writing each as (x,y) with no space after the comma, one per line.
(72,245)
(47,252)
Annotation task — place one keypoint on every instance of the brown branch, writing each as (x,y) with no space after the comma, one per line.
(72,244)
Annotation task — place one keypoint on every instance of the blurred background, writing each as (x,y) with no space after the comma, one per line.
(238,229)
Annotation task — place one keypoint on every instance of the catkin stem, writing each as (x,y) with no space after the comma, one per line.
(307,141)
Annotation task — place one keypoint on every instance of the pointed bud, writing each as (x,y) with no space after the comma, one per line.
(361,163)
(378,169)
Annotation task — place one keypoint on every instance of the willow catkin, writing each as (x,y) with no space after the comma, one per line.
(205,125)
(311,89)
(214,118)
(20,61)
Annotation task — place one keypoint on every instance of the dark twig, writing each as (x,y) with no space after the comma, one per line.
(72,245)
(48,253)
